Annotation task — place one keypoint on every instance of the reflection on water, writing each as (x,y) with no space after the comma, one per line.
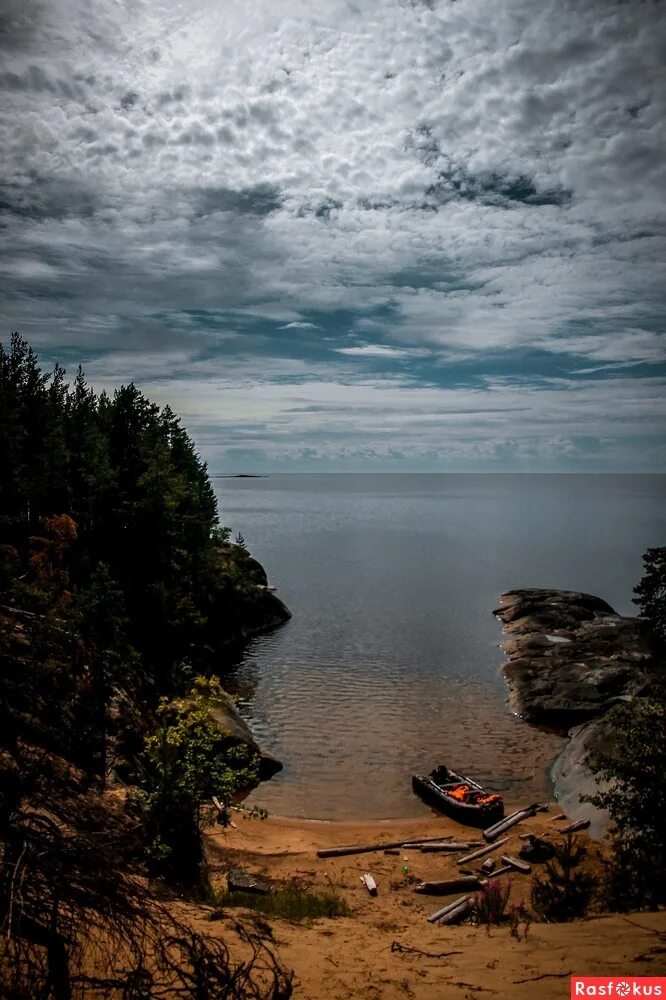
(391,663)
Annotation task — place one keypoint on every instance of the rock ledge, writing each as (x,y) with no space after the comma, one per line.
(570,658)
(570,655)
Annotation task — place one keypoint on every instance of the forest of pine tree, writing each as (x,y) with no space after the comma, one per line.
(117,587)
(106,498)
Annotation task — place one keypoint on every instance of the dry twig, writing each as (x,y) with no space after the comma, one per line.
(408,950)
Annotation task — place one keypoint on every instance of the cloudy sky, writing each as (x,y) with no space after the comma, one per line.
(350,234)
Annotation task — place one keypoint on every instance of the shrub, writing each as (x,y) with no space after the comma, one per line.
(187,761)
(519,915)
(490,903)
(565,890)
(634,769)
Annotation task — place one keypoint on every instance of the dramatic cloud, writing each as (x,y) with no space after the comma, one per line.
(388,233)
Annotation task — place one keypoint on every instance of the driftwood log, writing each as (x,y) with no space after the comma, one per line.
(503,825)
(449,885)
(447,848)
(519,866)
(504,870)
(454,911)
(340,852)
(580,824)
(480,853)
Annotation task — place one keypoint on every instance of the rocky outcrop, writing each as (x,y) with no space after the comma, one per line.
(572,779)
(571,657)
(230,721)
(259,608)
(271,612)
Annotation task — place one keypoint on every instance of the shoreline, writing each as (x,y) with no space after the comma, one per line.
(384,947)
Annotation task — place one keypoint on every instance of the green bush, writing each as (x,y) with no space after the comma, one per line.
(186,762)
(634,769)
(565,889)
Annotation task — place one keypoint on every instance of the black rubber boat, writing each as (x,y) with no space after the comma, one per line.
(460,797)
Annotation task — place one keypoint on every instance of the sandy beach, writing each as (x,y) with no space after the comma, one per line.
(369,953)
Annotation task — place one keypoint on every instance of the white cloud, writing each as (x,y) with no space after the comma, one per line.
(453,178)
(300,325)
(377,351)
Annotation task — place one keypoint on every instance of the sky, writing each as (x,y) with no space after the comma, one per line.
(380,235)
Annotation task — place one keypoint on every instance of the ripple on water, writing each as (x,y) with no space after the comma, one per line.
(350,737)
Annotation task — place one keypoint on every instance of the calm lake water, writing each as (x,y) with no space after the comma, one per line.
(391,662)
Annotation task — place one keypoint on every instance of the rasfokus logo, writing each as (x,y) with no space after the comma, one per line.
(623,986)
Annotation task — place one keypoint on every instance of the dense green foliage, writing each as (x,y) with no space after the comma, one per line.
(631,770)
(187,761)
(651,593)
(112,555)
(635,796)
(126,473)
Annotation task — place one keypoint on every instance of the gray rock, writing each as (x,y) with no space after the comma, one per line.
(606,657)
(571,778)
(241,881)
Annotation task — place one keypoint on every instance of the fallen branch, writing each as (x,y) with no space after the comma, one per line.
(650,930)
(339,852)
(407,950)
(648,956)
(545,975)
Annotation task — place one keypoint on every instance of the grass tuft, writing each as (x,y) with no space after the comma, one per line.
(293,902)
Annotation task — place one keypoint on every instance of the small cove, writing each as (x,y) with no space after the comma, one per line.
(391,662)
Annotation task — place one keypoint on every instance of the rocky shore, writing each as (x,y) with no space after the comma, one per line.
(570,658)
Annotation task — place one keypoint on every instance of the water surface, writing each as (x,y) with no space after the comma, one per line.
(391,662)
